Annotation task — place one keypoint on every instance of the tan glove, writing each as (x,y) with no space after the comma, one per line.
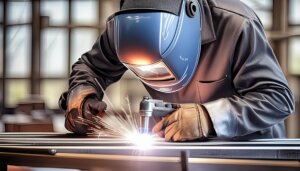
(82,102)
(189,122)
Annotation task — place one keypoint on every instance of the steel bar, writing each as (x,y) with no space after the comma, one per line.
(145,163)
(184,160)
(229,152)
(52,140)
(109,153)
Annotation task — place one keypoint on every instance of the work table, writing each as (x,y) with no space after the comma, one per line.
(89,152)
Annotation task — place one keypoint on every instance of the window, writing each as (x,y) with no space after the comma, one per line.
(294,14)
(16,90)
(56,58)
(56,10)
(82,41)
(54,53)
(263,9)
(51,91)
(80,33)
(294,42)
(85,12)
(19,12)
(18,51)
(294,56)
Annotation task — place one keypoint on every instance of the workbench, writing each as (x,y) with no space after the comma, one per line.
(106,153)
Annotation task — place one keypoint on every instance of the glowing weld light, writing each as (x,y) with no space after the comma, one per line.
(142,141)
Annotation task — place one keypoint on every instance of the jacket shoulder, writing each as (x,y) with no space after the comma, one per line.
(234,6)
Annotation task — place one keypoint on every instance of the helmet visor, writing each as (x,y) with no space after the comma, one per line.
(154,72)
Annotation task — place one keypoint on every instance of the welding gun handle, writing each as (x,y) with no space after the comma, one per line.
(164,110)
(157,108)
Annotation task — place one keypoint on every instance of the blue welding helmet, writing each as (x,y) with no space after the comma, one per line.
(159,41)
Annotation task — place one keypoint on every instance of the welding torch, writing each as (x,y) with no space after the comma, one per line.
(153,108)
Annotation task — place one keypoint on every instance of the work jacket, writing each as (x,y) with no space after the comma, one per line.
(238,79)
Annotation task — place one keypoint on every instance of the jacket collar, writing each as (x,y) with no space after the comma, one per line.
(208,31)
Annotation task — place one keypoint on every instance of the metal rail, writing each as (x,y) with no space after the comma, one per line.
(70,151)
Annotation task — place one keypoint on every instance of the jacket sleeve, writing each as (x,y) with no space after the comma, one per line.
(100,63)
(262,97)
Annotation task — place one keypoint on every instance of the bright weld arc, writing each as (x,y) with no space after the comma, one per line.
(141,141)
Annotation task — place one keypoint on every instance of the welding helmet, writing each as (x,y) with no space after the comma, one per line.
(159,41)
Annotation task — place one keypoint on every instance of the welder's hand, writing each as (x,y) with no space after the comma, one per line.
(82,103)
(189,122)
(93,107)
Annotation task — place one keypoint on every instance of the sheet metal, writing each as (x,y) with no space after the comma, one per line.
(280,149)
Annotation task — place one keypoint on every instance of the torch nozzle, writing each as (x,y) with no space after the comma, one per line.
(144,127)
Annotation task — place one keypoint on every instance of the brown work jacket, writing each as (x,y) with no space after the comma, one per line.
(238,79)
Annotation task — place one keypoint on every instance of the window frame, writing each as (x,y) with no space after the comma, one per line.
(39,23)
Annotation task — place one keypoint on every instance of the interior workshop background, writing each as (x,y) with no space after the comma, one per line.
(41,39)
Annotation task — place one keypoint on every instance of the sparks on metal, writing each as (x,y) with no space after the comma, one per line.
(118,124)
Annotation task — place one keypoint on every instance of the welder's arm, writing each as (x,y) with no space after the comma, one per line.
(84,93)
(262,98)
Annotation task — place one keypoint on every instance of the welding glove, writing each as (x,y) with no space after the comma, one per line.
(82,103)
(188,122)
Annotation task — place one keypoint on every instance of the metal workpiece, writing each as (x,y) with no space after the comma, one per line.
(91,151)
(280,149)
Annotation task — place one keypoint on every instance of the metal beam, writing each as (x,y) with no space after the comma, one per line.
(280,24)
(2,101)
(69,35)
(35,48)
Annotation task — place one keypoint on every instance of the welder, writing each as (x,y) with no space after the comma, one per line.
(209,56)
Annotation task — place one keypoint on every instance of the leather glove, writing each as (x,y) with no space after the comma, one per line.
(82,102)
(93,107)
(188,122)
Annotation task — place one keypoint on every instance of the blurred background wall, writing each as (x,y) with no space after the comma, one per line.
(41,39)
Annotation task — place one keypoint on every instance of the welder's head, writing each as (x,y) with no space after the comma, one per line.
(159,40)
